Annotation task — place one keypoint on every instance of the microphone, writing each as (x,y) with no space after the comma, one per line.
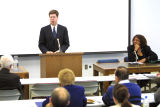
(136,56)
(59,46)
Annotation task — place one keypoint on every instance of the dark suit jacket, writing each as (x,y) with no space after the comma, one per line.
(77,98)
(147,53)
(47,42)
(9,80)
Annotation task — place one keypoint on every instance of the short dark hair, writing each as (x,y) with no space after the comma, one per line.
(60,97)
(54,12)
(143,41)
(122,73)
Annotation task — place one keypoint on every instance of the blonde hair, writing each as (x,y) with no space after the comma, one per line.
(66,77)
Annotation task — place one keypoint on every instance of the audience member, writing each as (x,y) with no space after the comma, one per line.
(120,96)
(59,98)
(157,96)
(8,80)
(121,77)
(67,79)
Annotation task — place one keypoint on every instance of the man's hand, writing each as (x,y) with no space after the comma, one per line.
(49,52)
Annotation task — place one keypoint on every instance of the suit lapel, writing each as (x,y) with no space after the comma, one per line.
(50,34)
(58,31)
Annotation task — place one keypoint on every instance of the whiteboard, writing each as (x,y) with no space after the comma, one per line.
(145,20)
(93,25)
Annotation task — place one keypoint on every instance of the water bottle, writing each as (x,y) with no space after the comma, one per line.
(15,64)
(145,102)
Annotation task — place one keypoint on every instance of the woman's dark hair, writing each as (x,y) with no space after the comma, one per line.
(120,93)
(143,41)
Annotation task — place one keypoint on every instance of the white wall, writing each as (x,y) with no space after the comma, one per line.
(90,24)
(32,64)
(145,20)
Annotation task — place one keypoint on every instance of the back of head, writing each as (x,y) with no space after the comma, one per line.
(120,93)
(60,97)
(66,77)
(6,61)
(122,73)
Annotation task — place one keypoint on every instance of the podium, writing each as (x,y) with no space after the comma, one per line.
(51,64)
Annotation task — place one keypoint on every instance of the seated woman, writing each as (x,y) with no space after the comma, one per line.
(120,96)
(141,52)
(77,96)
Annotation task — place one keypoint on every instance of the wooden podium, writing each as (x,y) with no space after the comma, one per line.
(51,64)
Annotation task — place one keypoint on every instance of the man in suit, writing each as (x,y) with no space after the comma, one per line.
(53,37)
(8,81)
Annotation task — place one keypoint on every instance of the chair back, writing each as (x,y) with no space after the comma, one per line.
(9,94)
(91,87)
(42,90)
(107,61)
(126,59)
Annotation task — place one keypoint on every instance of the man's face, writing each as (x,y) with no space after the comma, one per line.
(116,79)
(53,19)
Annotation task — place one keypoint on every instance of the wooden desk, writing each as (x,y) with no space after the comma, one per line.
(51,64)
(109,68)
(24,75)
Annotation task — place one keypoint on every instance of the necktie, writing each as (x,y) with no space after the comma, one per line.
(54,32)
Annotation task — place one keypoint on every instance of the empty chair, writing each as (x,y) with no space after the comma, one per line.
(9,94)
(126,59)
(107,61)
(42,90)
(91,87)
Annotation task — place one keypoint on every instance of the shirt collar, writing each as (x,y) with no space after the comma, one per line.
(124,81)
(53,27)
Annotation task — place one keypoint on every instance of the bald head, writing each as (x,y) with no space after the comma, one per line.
(60,97)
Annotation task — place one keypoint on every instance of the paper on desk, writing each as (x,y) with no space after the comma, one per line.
(135,63)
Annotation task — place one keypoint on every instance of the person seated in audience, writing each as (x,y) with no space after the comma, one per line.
(157,96)
(59,98)
(120,96)
(141,52)
(121,77)
(8,80)
(67,80)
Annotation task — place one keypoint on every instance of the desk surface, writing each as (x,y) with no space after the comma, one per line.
(31,103)
(84,79)
(109,68)
(22,72)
